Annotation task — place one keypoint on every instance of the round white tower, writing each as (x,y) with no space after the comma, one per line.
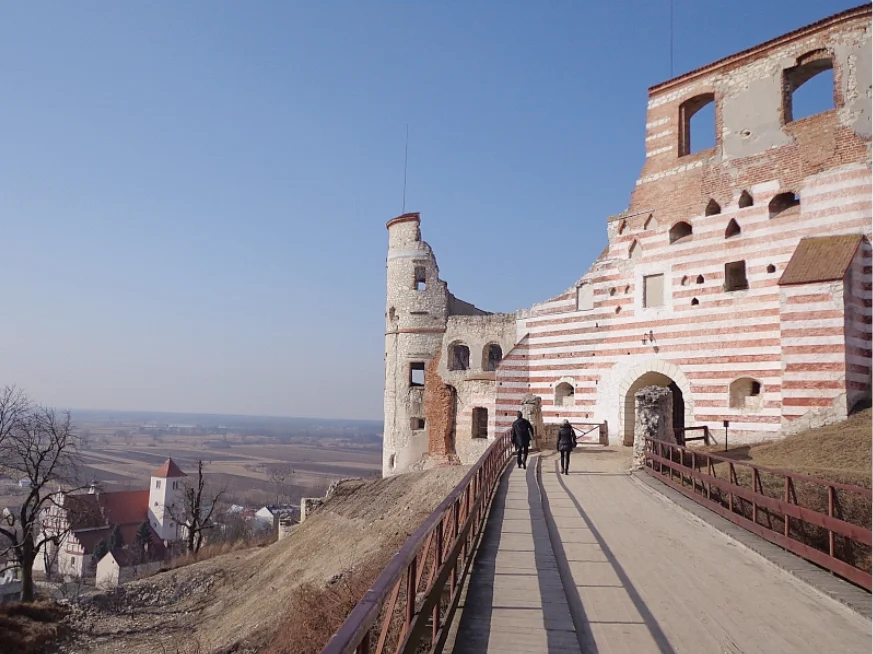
(415,321)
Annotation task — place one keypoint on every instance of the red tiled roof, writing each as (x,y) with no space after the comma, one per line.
(100,509)
(821,259)
(169,469)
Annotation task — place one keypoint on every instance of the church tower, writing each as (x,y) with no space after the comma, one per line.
(166,495)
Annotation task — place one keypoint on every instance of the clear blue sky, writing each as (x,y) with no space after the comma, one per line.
(193,195)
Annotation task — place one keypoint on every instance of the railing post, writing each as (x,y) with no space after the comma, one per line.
(438,564)
(756,483)
(412,572)
(711,474)
(830,515)
(693,470)
(785,517)
(731,481)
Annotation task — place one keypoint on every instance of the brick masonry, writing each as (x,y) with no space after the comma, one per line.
(807,347)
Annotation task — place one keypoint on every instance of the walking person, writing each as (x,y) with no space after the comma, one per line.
(566,444)
(522,433)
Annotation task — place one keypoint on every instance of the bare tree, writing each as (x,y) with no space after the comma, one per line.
(41,448)
(198,506)
(14,406)
(281,476)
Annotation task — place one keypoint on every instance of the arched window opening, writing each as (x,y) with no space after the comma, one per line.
(480,422)
(745,393)
(491,357)
(771,268)
(746,200)
(680,232)
(459,357)
(733,229)
(785,204)
(809,86)
(634,250)
(684,280)
(697,124)
(565,394)
(713,208)
(699,279)
(694,301)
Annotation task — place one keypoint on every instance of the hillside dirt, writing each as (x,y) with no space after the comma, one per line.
(842,452)
(234,602)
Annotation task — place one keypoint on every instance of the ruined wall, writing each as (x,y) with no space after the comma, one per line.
(858,319)
(415,316)
(475,386)
(654,419)
(419,311)
(704,335)
(439,408)
(687,292)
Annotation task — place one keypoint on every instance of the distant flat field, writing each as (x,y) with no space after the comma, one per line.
(243,467)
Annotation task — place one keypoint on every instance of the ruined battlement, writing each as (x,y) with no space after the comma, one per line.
(739,277)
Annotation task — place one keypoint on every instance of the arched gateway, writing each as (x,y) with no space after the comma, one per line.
(655,373)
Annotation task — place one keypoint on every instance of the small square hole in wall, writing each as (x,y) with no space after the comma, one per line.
(417,424)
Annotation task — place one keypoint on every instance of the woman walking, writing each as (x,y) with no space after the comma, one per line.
(566,443)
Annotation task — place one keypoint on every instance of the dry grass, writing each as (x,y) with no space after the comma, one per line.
(839,452)
(30,628)
(211,551)
(316,611)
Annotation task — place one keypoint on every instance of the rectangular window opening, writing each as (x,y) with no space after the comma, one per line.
(585,297)
(420,278)
(417,424)
(653,291)
(480,422)
(735,276)
(416,373)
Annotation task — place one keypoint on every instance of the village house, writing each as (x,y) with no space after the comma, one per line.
(739,277)
(91,518)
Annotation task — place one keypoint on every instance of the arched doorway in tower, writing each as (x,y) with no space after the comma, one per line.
(651,379)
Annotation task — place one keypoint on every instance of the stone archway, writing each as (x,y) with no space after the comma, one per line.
(654,373)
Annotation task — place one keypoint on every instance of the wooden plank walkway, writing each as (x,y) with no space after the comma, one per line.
(515,601)
(596,562)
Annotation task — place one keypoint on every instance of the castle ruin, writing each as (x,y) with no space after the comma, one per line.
(739,277)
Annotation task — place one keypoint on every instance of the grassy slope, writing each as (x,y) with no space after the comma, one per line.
(840,452)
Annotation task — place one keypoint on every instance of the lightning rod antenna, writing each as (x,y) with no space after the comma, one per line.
(405,165)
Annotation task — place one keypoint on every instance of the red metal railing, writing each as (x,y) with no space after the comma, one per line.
(803,530)
(682,438)
(408,605)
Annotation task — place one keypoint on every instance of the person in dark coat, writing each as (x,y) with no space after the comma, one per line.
(566,443)
(522,433)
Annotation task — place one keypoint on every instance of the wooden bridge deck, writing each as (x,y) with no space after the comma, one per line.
(594,562)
